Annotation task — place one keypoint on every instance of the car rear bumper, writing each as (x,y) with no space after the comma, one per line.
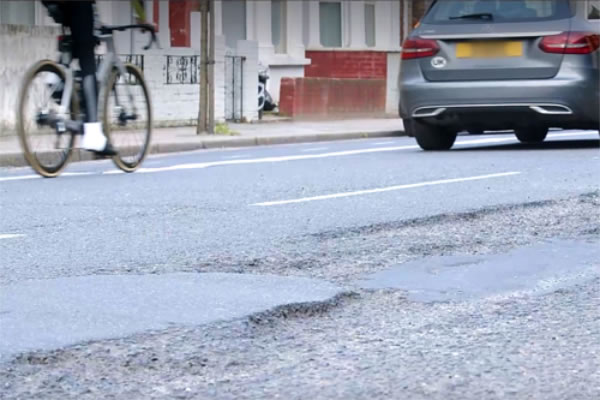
(570,99)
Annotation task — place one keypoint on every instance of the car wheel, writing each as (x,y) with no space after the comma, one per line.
(531,135)
(408,129)
(430,137)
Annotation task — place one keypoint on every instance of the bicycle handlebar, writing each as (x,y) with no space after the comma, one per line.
(108,29)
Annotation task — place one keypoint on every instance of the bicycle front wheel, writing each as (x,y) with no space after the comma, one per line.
(127,117)
(46,150)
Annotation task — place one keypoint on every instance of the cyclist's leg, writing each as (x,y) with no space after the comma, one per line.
(81,22)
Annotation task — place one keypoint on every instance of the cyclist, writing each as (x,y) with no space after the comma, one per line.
(79,17)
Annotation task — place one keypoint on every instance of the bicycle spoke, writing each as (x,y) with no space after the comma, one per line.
(129,135)
(46,151)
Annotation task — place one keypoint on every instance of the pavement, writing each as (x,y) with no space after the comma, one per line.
(467,274)
(168,140)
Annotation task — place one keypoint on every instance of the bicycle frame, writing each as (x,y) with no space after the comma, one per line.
(107,64)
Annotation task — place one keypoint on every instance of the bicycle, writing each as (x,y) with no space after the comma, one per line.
(50,111)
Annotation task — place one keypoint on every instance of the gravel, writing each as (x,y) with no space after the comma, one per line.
(343,256)
(367,344)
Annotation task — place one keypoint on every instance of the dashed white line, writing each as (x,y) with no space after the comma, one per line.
(384,189)
(383,143)
(237,156)
(11,235)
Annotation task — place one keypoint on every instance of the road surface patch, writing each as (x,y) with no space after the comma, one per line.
(535,270)
(55,313)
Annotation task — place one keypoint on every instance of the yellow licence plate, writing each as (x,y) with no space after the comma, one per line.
(489,49)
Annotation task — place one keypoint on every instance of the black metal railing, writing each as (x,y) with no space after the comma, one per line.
(182,70)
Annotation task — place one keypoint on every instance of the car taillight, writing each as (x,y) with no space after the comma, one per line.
(419,48)
(571,43)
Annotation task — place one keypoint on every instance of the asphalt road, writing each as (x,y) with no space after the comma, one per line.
(339,212)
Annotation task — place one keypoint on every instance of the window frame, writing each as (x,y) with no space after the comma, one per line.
(281,47)
(36,13)
(246,24)
(372,4)
(342,24)
(588,10)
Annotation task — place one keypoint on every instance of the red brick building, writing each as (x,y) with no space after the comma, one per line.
(352,78)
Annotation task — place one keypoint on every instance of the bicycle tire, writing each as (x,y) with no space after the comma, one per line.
(32,158)
(127,165)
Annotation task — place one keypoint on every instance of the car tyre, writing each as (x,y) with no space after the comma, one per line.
(430,137)
(531,135)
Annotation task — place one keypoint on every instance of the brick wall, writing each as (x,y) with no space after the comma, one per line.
(346,64)
(314,98)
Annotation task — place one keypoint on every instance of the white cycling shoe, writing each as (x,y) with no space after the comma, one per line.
(94,140)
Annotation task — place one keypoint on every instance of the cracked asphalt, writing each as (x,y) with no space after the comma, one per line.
(375,344)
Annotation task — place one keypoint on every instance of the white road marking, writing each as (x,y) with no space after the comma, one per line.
(78,173)
(333,154)
(307,156)
(11,235)
(237,156)
(570,134)
(484,141)
(273,159)
(383,143)
(24,177)
(487,140)
(385,189)
(315,149)
(18,178)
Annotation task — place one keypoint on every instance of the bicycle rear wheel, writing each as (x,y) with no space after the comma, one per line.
(127,117)
(46,151)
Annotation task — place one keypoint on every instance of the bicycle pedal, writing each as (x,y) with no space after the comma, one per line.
(61,127)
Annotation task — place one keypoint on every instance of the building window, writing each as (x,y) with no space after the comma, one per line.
(17,12)
(370,24)
(593,11)
(278,25)
(330,23)
(234,21)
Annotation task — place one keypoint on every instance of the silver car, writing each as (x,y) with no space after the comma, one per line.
(523,65)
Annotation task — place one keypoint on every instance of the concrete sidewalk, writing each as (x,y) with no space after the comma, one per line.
(168,140)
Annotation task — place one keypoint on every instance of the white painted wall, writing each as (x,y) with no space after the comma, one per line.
(392,98)
(276,72)
(173,105)
(20,48)
(176,104)
(249,49)
(219,71)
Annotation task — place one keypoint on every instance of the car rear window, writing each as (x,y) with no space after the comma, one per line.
(492,11)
